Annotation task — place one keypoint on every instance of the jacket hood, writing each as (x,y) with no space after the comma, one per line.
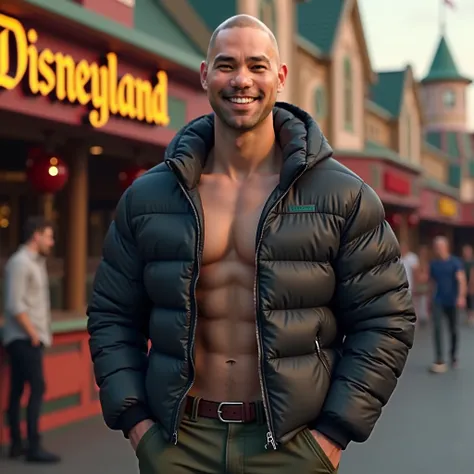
(302,142)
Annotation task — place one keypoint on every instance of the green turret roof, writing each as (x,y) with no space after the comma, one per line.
(443,67)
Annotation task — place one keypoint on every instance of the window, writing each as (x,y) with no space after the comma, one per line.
(449,98)
(268,14)
(320,103)
(348,96)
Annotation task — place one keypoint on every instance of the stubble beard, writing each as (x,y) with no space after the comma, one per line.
(232,121)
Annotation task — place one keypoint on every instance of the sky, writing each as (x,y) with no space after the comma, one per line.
(400,32)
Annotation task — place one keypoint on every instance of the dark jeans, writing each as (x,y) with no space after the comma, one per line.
(210,446)
(450,314)
(26,365)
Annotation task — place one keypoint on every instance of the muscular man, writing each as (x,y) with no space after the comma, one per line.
(266,279)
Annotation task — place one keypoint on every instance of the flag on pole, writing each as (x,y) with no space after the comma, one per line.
(450,4)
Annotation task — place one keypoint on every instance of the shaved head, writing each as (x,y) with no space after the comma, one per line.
(242,21)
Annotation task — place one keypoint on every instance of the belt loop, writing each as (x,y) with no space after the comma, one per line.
(260,413)
(195,409)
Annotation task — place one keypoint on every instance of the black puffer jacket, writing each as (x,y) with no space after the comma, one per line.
(334,316)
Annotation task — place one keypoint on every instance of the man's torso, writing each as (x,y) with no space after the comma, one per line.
(35,297)
(443,273)
(294,285)
(226,345)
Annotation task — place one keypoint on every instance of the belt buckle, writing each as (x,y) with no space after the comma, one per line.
(219,412)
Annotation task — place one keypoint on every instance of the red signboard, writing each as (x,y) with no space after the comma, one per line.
(396,184)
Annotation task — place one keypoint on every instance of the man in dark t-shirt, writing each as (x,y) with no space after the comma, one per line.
(449,281)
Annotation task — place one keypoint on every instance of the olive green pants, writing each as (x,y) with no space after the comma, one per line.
(208,446)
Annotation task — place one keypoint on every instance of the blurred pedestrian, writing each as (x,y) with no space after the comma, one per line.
(411,263)
(450,289)
(26,333)
(421,291)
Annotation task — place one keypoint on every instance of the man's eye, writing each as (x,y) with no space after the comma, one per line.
(224,67)
(259,67)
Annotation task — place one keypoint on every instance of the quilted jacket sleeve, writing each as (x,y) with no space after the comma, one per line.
(118,316)
(374,311)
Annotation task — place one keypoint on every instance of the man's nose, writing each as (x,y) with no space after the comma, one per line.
(242,80)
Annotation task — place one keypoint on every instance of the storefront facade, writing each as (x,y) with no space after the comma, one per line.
(70,99)
(398,185)
(100,101)
(416,208)
(440,215)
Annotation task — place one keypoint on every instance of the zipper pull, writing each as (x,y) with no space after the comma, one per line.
(175,438)
(317,346)
(270,441)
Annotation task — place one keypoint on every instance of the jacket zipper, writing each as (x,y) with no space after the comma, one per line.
(174,438)
(270,437)
(322,356)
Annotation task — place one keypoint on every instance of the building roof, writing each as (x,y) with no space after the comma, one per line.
(387,92)
(150,13)
(214,12)
(373,150)
(457,145)
(443,66)
(318,21)
(73,13)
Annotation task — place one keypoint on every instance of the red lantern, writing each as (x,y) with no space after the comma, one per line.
(128,176)
(413,220)
(45,172)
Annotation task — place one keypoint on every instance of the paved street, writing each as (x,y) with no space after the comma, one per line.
(428,428)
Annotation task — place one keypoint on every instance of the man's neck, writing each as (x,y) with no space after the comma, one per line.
(241,155)
(32,247)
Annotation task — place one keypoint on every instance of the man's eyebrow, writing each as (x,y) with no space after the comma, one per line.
(259,59)
(224,58)
(254,59)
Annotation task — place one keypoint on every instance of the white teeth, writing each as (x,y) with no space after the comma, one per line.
(241,100)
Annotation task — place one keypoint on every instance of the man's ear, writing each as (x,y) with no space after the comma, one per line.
(204,75)
(282,74)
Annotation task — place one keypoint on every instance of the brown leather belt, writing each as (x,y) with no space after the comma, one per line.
(227,412)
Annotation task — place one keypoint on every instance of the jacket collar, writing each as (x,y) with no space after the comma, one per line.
(302,142)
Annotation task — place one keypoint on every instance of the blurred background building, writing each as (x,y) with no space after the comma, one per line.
(91,92)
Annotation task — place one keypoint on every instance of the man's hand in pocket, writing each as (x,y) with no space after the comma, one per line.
(332,451)
(137,432)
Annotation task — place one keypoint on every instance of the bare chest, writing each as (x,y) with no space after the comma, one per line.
(231,216)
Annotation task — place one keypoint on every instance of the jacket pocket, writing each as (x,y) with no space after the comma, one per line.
(322,356)
(142,444)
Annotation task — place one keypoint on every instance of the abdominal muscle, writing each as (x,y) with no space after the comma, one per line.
(226,355)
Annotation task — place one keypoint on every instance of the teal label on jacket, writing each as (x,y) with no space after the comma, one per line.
(306,208)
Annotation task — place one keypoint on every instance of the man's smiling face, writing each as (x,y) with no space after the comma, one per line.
(242,77)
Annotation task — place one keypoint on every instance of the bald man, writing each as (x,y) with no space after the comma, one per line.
(266,278)
(449,281)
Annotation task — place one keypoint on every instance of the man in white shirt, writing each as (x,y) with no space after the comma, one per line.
(410,262)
